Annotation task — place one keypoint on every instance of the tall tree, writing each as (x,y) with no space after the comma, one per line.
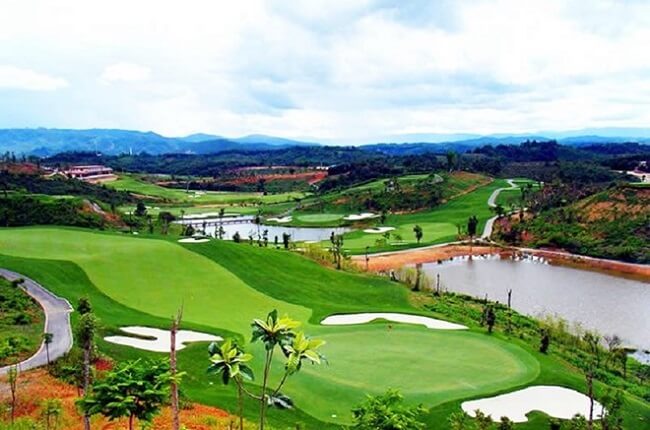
(12,377)
(84,306)
(418,233)
(490,318)
(86,336)
(176,322)
(165,218)
(472,225)
(47,340)
(592,342)
(337,249)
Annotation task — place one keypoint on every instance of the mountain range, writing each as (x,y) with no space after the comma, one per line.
(49,141)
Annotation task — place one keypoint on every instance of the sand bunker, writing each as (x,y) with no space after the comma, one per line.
(558,402)
(203,215)
(193,240)
(364,318)
(161,341)
(378,230)
(281,220)
(358,217)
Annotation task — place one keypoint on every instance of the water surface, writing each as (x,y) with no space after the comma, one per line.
(245,228)
(596,301)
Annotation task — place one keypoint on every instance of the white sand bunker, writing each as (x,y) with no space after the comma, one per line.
(378,230)
(280,220)
(558,402)
(193,240)
(365,318)
(358,217)
(161,341)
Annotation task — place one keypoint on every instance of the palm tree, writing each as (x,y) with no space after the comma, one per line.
(47,340)
(272,332)
(230,361)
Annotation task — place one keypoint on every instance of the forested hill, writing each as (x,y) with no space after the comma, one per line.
(613,223)
(47,142)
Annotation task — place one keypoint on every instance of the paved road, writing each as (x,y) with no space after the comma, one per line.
(57,322)
(492,202)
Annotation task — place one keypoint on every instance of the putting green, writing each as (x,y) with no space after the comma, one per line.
(225,285)
(427,366)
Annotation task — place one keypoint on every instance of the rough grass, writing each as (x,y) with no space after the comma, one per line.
(16,302)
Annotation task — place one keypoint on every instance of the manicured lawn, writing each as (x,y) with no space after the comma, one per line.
(379,184)
(223,286)
(152,276)
(318,218)
(439,225)
(135,185)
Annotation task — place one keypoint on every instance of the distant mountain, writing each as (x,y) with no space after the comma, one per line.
(46,141)
(271,140)
(494,140)
(431,137)
(200,137)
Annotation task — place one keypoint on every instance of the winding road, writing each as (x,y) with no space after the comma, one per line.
(57,321)
(492,202)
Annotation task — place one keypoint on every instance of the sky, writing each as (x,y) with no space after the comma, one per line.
(346,71)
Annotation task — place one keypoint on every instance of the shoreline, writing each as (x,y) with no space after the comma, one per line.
(388,261)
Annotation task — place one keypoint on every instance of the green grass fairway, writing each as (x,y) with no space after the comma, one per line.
(152,276)
(318,218)
(439,225)
(379,184)
(137,186)
(137,280)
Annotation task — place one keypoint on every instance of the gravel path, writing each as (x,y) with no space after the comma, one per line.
(57,321)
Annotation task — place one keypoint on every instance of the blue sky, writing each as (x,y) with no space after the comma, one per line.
(337,71)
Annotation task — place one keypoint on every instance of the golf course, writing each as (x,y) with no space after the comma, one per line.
(222,286)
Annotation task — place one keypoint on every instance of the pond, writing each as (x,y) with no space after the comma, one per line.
(596,301)
(245,227)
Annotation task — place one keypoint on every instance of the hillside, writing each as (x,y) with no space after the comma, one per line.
(612,224)
(46,142)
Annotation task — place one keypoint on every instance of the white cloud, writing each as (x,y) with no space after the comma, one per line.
(12,77)
(125,72)
(346,70)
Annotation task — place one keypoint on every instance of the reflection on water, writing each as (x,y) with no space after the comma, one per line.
(246,228)
(596,301)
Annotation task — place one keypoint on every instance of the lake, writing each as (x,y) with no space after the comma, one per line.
(245,227)
(605,303)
